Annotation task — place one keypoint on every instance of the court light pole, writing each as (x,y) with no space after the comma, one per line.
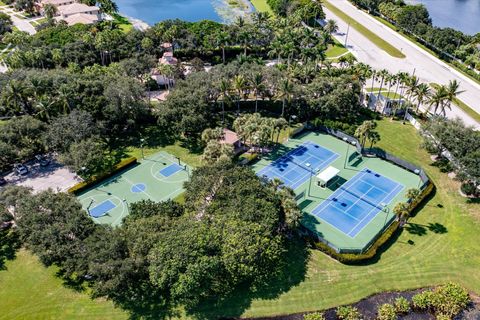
(289,121)
(345,139)
(142,140)
(178,158)
(126,205)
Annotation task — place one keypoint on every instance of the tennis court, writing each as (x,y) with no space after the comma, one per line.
(356,204)
(352,206)
(158,177)
(298,165)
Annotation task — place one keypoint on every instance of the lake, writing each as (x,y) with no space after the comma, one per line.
(153,11)
(463,15)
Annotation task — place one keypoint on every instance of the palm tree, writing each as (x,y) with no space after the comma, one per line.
(239,84)
(452,91)
(279,125)
(108,6)
(285,92)
(257,83)
(225,88)
(364,131)
(422,94)
(402,212)
(373,137)
(50,10)
(437,100)
(382,74)
(223,40)
(412,194)
(331,26)
(15,97)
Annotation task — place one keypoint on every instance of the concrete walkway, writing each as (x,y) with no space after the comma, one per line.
(21,23)
(427,67)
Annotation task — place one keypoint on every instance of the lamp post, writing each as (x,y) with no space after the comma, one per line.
(345,139)
(126,205)
(178,158)
(289,121)
(141,147)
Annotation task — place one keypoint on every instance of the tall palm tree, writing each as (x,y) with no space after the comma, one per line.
(452,91)
(50,10)
(15,97)
(225,88)
(422,94)
(285,92)
(239,84)
(257,84)
(364,130)
(331,26)
(402,212)
(437,100)
(223,40)
(382,74)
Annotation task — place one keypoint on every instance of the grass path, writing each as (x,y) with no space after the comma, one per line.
(379,42)
(27,288)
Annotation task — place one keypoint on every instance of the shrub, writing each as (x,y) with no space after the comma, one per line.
(97,178)
(314,316)
(444,165)
(348,313)
(386,312)
(445,301)
(469,188)
(247,158)
(423,300)
(402,306)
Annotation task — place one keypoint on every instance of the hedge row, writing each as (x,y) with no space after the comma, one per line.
(79,187)
(386,235)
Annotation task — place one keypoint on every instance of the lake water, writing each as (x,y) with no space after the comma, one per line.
(153,11)
(463,15)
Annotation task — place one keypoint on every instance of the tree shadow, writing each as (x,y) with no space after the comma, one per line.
(9,244)
(292,272)
(416,229)
(437,228)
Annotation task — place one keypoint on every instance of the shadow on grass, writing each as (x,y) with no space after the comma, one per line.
(292,272)
(9,244)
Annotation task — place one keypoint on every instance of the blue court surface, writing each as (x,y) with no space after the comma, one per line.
(101,209)
(170,170)
(352,206)
(296,167)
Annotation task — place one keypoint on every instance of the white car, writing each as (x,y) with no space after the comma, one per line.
(21,169)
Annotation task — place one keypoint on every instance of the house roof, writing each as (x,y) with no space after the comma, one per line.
(56,2)
(82,18)
(76,8)
(229,137)
(166,45)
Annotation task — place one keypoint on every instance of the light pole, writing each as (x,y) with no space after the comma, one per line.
(141,147)
(345,139)
(126,205)
(346,36)
(289,121)
(178,158)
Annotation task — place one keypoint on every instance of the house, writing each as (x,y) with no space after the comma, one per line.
(81,18)
(77,8)
(167,46)
(383,104)
(166,59)
(73,12)
(57,3)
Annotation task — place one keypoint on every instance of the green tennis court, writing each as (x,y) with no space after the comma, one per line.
(159,177)
(354,207)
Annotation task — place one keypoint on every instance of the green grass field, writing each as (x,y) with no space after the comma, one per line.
(379,42)
(335,50)
(444,232)
(262,6)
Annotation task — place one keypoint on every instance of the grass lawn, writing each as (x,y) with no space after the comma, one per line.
(379,42)
(462,105)
(2,3)
(335,50)
(385,93)
(122,22)
(31,291)
(445,247)
(177,150)
(262,6)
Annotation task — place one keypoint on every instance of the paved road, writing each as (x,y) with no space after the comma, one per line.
(427,67)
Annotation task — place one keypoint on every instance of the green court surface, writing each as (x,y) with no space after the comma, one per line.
(158,177)
(312,198)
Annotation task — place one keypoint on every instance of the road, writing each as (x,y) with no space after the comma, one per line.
(427,67)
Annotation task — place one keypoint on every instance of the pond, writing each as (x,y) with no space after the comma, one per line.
(153,11)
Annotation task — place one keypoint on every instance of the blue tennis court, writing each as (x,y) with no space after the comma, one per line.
(170,170)
(296,167)
(352,206)
(102,209)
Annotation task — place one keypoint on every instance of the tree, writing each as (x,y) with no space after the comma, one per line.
(422,94)
(401,210)
(24,135)
(86,157)
(239,84)
(412,194)
(216,151)
(50,10)
(11,199)
(285,91)
(452,90)
(364,131)
(54,225)
(258,86)
(108,6)
(331,26)
(6,24)
(25,5)
(438,99)
(382,75)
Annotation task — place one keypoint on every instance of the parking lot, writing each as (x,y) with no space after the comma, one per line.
(53,176)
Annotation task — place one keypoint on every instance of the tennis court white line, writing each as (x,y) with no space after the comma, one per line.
(364,181)
(383,199)
(356,201)
(328,160)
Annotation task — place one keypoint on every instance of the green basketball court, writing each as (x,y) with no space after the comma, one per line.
(158,177)
(354,207)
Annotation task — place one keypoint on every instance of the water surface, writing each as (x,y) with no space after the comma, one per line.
(463,15)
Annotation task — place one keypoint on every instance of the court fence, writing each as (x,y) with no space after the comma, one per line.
(122,165)
(351,255)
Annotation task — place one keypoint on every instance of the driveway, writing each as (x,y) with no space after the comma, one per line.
(21,24)
(427,67)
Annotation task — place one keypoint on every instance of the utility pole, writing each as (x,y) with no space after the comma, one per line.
(346,36)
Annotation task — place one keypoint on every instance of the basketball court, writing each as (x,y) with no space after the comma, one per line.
(159,177)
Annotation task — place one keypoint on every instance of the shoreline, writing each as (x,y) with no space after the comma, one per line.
(136,23)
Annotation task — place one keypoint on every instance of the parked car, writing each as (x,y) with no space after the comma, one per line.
(44,161)
(21,169)
(2,181)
